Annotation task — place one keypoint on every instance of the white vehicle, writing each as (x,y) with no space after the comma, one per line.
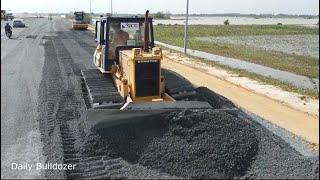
(18,23)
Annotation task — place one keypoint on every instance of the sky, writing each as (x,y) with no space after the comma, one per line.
(310,7)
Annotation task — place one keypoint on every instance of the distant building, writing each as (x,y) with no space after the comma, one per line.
(3,15)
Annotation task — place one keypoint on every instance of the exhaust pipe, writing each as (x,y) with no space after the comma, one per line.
(146,32)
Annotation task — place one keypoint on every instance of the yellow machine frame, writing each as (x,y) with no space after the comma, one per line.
(124,74)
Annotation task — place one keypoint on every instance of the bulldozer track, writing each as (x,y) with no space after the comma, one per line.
(101,89)
(87,167)
(94,167)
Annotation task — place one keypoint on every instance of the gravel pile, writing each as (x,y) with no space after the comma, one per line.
(276,159)
(202,144)
(215,100)
(115,152)
(188,144)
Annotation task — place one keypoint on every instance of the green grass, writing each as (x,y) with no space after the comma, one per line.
(283,85)
(267,80)
(287,62)
(167,31)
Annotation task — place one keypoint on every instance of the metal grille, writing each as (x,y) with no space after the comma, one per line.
(147,76)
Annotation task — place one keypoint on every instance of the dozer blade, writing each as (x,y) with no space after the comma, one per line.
(105,118)
(80,26)
(134,113)
(169,105)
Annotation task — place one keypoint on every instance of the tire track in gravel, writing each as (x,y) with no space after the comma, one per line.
(49,96)
(70,105)
(61,108)
(78,36)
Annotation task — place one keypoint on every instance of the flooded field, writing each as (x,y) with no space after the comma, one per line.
(196,20)
(305,45)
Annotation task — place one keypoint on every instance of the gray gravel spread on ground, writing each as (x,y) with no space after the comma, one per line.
(288,77)
(305,45)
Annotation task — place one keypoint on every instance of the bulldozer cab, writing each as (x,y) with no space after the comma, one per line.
(79,16)
(117,33)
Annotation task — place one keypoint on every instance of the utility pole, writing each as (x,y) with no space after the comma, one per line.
(111,8)
(186,30)
(90,7)
(90,13)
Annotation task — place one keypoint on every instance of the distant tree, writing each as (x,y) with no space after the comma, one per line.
(161,15)
(279,24)
(226,22)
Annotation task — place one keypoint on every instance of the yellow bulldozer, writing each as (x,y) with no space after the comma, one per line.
(128,80)
(79,22)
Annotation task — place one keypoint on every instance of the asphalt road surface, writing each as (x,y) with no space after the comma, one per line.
(21,68)
(44,120)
